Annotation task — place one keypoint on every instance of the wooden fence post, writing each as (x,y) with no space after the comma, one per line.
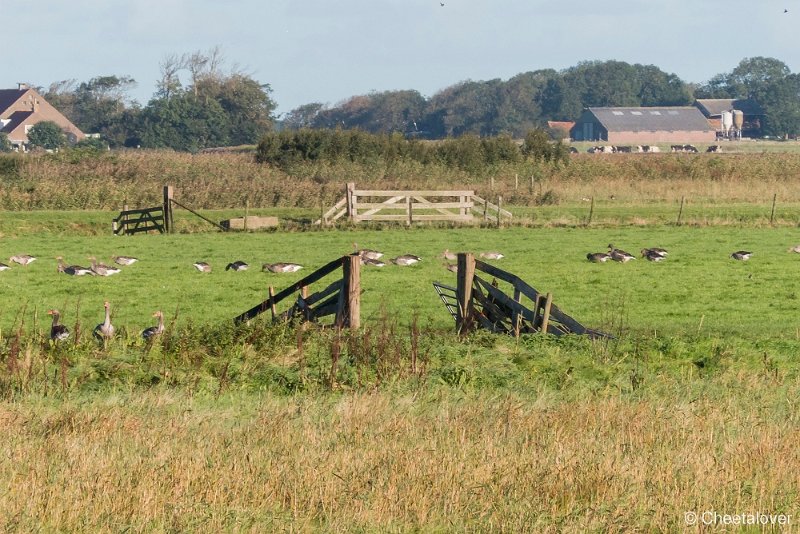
(272,307)
(485,210)
(409,211)
(680,211)
(464,277)
(591,212)
(352,290)
(516,182)
(499,209)
(548,303)
(772,213)
(167,209)
(351,186)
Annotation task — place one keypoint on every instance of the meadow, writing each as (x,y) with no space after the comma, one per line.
(403,426)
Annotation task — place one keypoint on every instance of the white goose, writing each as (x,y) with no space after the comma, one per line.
(619,255)
(492,255)
(367,253)
(202,266)
(741,255)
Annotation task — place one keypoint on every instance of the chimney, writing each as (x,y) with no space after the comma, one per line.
(22,86)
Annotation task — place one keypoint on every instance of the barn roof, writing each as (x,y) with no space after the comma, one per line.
(650,119)
(715,106)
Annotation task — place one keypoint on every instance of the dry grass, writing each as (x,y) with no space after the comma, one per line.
(387,462)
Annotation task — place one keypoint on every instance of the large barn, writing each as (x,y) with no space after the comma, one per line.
(642,126)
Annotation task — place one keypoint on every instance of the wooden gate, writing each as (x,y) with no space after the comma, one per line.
(412,206)
(477,302)
(341,298)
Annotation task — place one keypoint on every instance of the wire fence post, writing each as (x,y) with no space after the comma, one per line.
(680,211)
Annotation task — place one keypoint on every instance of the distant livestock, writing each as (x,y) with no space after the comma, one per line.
(624,149)
(714,148)
(684,148)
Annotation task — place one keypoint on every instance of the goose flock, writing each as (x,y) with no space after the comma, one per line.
(104,331)
(657,254)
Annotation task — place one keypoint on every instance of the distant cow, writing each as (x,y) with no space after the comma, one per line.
(573,150)
(684,148)
(622,149)
(650,149)
(714,148)
(601,150)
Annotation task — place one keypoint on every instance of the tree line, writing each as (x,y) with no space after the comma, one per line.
(199,103)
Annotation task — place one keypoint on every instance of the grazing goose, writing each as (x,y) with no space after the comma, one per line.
(659,251)
(202,266)
(101,269)
(22,259)
(447,255)
(281,267)
(370,261)
(73,270)
(237,266)
(105,330)
(4,267)
(741,255)
(452,267)
(124,260)
(367,253)
(153,331)
(58,332)
(619,255)
(652,255)
(406,259)
(492,255)
(598,257)
(795,248)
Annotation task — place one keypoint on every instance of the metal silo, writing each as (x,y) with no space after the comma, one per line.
(738,119)
(727,121)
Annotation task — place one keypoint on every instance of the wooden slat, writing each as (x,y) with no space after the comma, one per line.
(505,300)
(373,207)
(505,276)
(373,193)
(494,207)
(335,207)
(376,206)
(308,280)
(428,217)
(319,295)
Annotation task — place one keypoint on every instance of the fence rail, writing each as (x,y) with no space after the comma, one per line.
(130,222)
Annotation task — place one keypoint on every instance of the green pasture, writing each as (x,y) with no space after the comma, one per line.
(698,289)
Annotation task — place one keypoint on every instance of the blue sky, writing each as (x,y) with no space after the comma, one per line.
(325,51)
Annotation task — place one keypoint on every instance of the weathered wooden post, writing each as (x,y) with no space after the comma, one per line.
(485,210)
(272,306)
(772,213)
(409,208)
(464,279)
(499,209)
(591,212)
(516,182)
(516,315)
(351,186)
(167,208)
(352,290)
(680,211)
(548,303)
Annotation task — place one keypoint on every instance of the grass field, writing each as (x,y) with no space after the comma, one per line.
(402,426)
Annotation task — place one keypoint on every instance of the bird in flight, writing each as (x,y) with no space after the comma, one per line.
(785,10)
(441,4)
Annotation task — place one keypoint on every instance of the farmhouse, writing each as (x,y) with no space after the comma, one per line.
(650,125)
(23,107)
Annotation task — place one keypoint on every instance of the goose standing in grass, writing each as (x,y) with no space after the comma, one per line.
(22,259)
(598,257)
(741,255)
(58,332)
(492,255)
(153,331)
(795,249)
(4,267)
(72,270)
(124,260)
(406,259)
(105,330)
(619,255)
(281,267)
(202,266)
(101,269)
(367,253)
(237,266)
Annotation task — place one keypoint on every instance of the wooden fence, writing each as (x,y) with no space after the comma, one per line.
(476,302)
(412,206)
(157,218)
(341,298)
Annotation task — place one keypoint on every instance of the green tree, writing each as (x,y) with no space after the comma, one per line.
(303,116)
(47,135)
(780,101)
(5,144)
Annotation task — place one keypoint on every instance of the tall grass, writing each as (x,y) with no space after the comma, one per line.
(225,180)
